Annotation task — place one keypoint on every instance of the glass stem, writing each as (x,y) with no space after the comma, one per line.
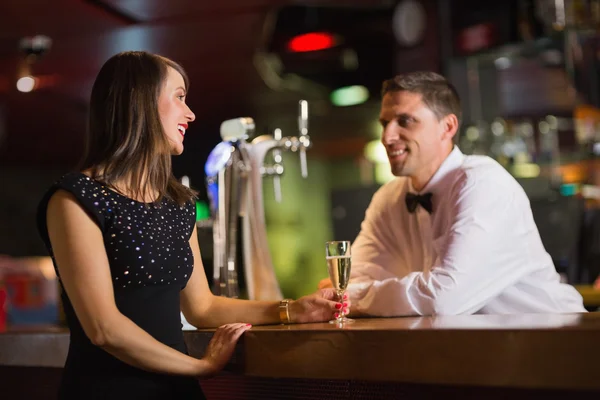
(340,294)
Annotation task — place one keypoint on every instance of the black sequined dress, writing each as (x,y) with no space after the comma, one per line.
(150,263)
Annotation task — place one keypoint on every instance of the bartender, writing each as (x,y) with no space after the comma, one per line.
(452,234)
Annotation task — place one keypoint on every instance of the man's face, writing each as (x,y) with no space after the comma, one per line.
(415,140)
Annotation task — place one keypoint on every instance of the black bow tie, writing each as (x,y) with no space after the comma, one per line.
(412,200)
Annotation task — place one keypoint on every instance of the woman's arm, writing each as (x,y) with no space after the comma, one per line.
(202,309)
(84,270)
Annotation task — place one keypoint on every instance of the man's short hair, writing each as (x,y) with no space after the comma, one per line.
(439,95)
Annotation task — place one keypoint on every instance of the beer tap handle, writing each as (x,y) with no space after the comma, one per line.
(303,137)
(277,160)
(237,129)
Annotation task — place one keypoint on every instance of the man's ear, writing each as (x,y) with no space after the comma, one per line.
(449,126)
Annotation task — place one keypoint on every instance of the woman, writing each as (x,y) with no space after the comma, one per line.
(123,240)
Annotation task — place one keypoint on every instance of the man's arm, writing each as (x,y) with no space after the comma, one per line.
(374,248)
(476,260)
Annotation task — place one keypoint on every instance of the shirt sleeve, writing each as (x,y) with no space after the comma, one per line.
(374,247)
(472,266)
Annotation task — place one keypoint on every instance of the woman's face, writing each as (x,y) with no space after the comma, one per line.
(174,113)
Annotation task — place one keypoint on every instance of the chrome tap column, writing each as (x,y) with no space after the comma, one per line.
(234,171)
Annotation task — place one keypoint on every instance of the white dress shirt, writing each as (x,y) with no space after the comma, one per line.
(478,252)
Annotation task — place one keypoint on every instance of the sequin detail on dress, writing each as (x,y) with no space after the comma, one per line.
(146,244)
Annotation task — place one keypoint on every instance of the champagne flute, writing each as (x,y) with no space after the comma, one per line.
(339,261)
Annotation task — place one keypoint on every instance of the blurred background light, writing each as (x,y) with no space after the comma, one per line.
(349,96)
(312,41)
(26,84)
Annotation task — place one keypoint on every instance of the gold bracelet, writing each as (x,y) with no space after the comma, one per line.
(284,311)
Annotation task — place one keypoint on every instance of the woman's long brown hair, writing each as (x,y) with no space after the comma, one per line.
(125,141)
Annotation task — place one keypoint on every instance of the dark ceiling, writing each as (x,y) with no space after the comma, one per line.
(216,42)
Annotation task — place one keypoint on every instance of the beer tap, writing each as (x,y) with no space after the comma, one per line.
(304,138)
(234,171)
(277,167)
(299,144)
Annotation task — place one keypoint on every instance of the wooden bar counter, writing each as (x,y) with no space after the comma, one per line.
(477,356)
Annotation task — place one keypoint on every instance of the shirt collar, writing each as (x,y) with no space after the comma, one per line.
(453,161)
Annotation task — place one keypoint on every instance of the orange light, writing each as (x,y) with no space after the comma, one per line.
(313,41)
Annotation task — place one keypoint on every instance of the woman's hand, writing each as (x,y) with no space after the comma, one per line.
(221,346)
(317,307)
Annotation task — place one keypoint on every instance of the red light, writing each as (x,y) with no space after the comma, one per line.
(311,42)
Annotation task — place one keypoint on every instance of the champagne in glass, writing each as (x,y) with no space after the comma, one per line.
(339,261)
(339,272)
